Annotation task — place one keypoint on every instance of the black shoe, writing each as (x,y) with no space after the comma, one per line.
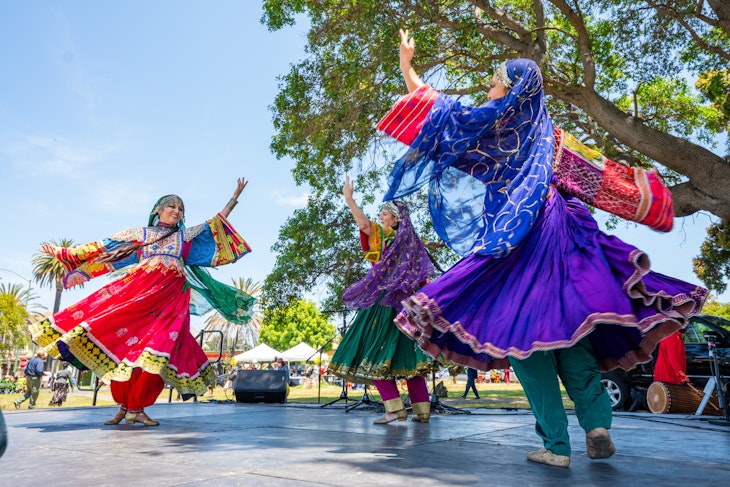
(477,397)
(464,396)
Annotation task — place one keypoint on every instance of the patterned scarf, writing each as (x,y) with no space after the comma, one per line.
(233,304)
(488,168)
(404,267)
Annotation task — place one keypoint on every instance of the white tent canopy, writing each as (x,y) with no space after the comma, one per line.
(261,353)
(299,353)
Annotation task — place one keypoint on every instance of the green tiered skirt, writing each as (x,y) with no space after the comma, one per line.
(373,348)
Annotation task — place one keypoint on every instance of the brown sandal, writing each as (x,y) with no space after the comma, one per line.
(117,417)
(140,417)
(389,417)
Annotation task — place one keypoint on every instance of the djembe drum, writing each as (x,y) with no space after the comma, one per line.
(677,399)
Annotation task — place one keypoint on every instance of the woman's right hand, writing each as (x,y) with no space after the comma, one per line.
(360,218)
(47,248)
(348,189)
(407,49)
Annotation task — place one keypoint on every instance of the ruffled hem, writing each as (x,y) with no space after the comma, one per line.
(567,281)
(374,349)
(79,346)
(366,373)
(422,318)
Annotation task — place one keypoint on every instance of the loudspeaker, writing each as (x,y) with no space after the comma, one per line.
(261,385)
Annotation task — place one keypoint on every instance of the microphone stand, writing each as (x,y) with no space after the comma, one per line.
(365,399)
(343,393)
(717,379)
(436,404)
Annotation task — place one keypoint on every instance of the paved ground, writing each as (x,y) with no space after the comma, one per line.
(228,444)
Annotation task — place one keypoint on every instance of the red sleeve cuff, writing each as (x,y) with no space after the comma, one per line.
(404,121)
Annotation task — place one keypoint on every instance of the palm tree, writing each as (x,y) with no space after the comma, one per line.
(47,270)
(23,297)
(248,334)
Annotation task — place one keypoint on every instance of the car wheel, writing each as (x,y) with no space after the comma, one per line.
(617,390)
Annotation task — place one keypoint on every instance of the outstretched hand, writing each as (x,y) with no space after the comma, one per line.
(349,188)
(360,218)
(241,184)
(407,48)
(47,248)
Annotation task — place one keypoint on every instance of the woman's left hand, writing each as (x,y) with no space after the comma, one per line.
(240,184)
(239,187)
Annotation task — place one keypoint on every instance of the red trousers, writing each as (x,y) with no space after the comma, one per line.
(140,391)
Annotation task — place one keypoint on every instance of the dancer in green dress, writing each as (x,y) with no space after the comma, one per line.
(373,350)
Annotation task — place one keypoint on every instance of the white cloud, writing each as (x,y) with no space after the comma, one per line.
(295,201)
(45,154)
(132,197)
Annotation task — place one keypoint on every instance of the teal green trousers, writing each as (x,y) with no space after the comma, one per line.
(578,371)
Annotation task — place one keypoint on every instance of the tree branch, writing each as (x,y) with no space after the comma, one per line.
(680,18)
(584,42)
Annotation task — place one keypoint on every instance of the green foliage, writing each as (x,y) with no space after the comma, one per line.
(715,308)
(712,266)
(23,296)
(12,323)
(715,86)
(669,105)
(316,245)
(621,52)
(300,321)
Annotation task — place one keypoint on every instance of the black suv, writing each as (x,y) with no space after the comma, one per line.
(620,383)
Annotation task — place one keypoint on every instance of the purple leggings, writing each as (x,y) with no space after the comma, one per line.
(417,390)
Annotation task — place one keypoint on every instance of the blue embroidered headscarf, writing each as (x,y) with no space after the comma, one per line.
(488,168)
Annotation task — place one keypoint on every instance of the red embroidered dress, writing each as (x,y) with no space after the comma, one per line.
(141,319)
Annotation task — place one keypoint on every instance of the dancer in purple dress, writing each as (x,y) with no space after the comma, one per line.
(540,283)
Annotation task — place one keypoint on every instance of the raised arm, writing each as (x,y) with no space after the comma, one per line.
(407,50)
(363,223)
(234,199)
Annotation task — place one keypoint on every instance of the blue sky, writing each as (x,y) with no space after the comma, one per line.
(105,106)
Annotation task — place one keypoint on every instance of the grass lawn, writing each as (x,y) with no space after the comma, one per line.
(74,400)
(492,396)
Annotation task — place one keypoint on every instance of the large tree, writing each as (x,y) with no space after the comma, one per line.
(24,297)
(618,74)
(299,321)
(13,331)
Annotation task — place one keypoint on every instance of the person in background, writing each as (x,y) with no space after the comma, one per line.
(33,377)
(671,361)
(20,384)
(60,386)
(281,365)
(506,375)
(231,378)
(471,382)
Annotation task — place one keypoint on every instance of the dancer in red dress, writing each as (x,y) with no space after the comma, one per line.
(135,331)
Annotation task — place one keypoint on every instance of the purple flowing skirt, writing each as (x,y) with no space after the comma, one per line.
(565,281)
